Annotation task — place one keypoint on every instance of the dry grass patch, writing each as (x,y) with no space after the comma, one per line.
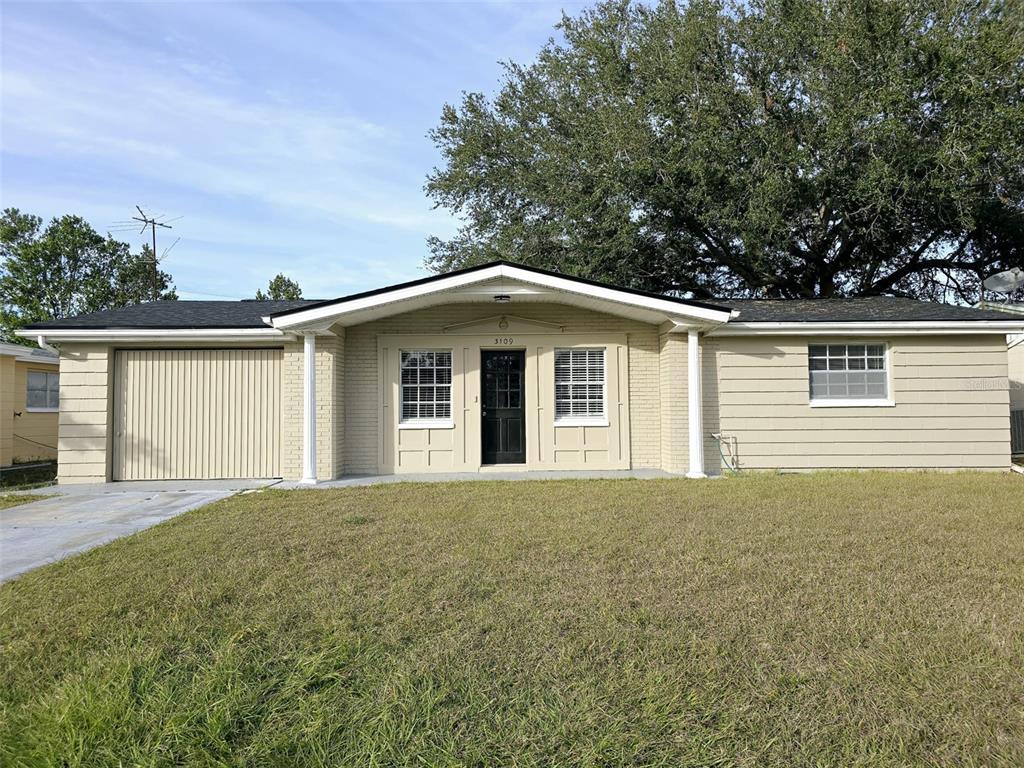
(8,500)
(846,619)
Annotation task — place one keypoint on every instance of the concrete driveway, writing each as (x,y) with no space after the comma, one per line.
(77,518)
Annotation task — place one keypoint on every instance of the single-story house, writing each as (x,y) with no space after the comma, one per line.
(503,366)
(29,392)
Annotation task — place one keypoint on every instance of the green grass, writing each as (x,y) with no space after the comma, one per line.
(10,500)
(857,619)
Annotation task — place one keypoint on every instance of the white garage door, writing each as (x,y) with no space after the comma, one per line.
(197,413)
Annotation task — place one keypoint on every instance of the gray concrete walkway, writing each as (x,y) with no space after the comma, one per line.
(76,518)
(452,477)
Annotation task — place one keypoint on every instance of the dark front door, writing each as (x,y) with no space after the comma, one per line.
(503,413)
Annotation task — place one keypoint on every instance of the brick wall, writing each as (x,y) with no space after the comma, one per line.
(674,406)
(330,418)
(291,410)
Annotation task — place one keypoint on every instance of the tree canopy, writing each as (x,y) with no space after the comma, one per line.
(281,288)
(791,148)
(67,269)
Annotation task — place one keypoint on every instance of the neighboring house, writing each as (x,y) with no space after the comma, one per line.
(28,404)
(1015,349)
(508,367)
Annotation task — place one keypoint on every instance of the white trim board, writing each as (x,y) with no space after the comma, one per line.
(338,309)
(888,328)
(158,334)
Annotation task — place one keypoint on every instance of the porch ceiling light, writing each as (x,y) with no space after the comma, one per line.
(502,298)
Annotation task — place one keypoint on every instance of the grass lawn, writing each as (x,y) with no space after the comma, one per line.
(10,500)
(857,619)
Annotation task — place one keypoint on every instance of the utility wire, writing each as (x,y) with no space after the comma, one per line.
(35,442)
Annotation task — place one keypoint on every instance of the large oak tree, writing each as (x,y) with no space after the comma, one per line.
(767,148)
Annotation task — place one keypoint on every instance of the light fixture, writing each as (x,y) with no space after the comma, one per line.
(502,298)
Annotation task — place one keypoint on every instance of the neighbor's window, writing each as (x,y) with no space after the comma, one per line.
(579,384)
(847,371)
(426,385)
(43,390)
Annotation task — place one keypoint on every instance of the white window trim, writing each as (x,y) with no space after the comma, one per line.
(418,422)
(41,410)
(853,402)
(882,402)
(585,421)
(427,424)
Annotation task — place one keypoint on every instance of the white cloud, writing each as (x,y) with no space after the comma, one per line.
(291,138)
(167,125)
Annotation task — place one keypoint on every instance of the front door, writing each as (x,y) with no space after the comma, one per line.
(503,415)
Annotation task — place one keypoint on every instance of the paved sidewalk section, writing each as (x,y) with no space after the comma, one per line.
(486,474)
(77,518)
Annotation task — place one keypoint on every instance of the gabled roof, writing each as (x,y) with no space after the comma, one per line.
(509,268)
(523,283)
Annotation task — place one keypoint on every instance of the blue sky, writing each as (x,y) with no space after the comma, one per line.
(289,138)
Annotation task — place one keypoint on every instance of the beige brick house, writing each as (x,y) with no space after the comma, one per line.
(508,367)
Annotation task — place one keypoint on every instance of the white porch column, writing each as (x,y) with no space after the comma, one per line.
(695,416)
(309,409)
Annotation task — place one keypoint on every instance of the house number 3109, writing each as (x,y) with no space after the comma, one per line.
(504,340)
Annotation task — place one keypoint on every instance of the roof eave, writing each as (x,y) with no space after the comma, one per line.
(872,328)
(335,311)
(64,335)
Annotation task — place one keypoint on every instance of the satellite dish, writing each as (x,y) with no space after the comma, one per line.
(1005,282)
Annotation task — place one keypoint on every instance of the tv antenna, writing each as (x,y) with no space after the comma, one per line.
(151,223)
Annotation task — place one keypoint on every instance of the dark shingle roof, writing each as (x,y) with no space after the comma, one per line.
(854,310)
(248,314)
(179,314)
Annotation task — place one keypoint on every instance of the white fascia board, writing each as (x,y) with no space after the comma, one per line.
(944,327)
(155,334)
(684,325)
(319,314)
(622,297)
(555,282)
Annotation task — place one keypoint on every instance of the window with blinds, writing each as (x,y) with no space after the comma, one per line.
(579,384)
(426,385)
